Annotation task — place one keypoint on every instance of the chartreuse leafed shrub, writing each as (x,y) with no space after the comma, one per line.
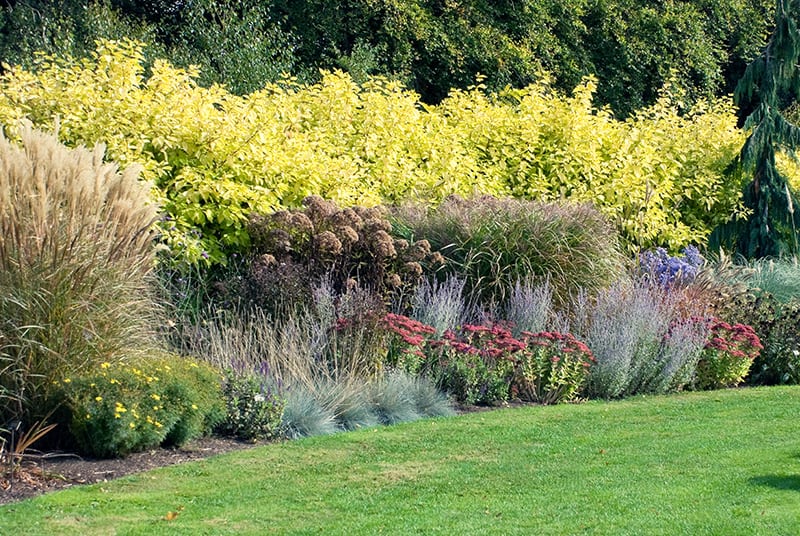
(75,245)
(121,408)
(215,157)
(494,243)
(660,176)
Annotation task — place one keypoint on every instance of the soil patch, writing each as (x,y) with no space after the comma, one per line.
(54,471)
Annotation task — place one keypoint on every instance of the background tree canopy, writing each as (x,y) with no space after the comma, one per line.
(632,46)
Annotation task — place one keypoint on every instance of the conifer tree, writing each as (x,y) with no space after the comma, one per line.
(769,84)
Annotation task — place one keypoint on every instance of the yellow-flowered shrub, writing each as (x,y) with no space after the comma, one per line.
(215,157)
(128,407)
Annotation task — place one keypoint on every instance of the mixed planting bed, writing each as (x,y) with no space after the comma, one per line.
(218,293)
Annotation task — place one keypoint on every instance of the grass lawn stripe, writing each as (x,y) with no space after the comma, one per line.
(723,462)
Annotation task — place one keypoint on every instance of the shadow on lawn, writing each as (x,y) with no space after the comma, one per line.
(788,482)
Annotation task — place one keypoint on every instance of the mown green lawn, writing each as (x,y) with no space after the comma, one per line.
(723,462)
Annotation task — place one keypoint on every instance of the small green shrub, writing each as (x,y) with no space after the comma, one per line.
(193,389)
(779,360)
(728,355)
(551,368)
(493,243)
(124,408)
(253,408)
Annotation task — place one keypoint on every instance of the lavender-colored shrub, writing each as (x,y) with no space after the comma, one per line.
(638,339)
(529,306)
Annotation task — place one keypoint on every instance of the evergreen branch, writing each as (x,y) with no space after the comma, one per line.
(786,134)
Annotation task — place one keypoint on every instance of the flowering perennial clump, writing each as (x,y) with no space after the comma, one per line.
(486,363)
(323,240)
(475,362)
(407,341)
(727,356)
(669,271)
(124,408)
(253,407)
(552,367)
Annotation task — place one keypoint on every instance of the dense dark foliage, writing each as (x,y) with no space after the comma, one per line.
(770,83)
(633,46)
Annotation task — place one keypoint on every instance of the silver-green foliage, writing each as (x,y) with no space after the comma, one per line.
(304,416)
(780,278)
(529,307)
(640,346)
(441,305)
(393,399)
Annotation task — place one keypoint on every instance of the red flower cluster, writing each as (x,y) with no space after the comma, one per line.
(407,339)
(494,341)
(560,343)
(739,340)
(412,332)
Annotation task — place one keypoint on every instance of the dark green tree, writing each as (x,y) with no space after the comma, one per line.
(770,84)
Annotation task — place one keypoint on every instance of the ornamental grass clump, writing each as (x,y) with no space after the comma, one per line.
(780,278)
(727,355)
(493,243)
(76,242)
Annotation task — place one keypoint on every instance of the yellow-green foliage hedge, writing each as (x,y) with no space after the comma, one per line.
(214,157)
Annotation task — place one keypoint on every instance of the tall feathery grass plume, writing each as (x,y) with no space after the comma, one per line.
(76,244)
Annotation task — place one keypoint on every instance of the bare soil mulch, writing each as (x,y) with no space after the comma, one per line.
(53,471)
